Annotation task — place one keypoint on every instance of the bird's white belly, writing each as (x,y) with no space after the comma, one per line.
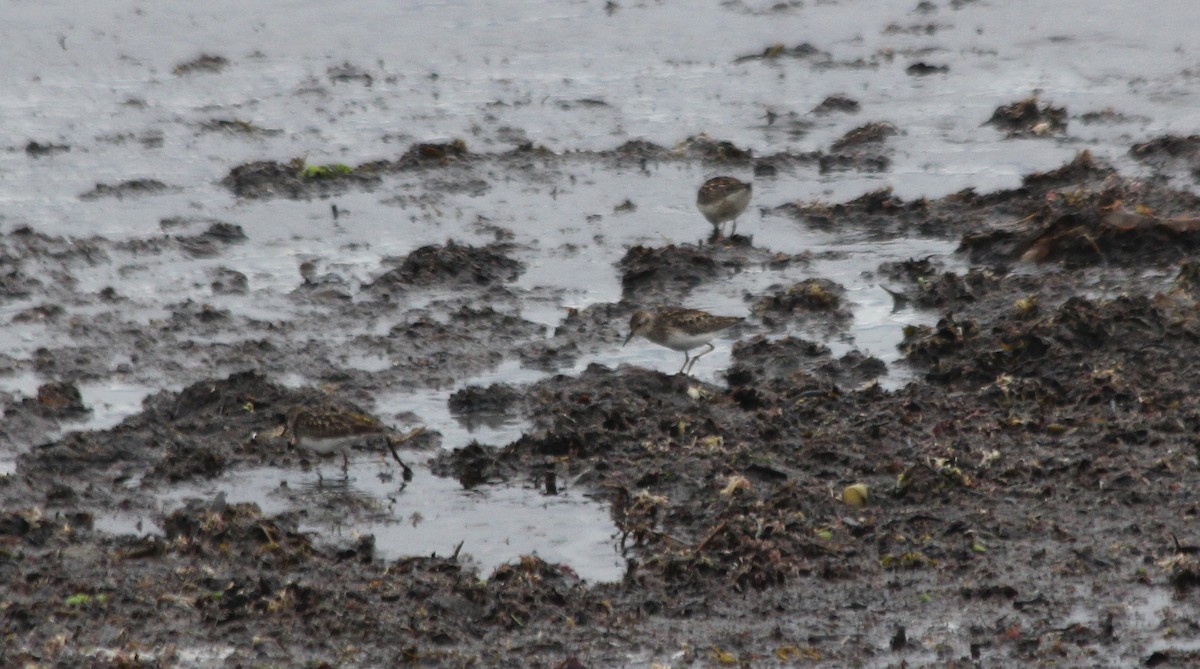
(727,209)
(684,342)
(328,445)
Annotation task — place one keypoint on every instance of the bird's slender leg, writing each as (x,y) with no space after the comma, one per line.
(733,228)
(696,357)
(406,471)
(685,363)
(345,465)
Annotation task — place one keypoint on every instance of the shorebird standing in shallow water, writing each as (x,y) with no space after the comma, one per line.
(326,429)
(680,329)
(723,199)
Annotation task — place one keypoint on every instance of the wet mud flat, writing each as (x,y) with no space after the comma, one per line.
(1031,492)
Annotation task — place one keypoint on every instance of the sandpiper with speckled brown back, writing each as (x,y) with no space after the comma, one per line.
(327,429)
(723,199)
(681,330)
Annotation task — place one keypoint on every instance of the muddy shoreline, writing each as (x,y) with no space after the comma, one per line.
(1031,489)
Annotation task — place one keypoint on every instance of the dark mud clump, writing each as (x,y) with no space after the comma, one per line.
(197,433)
(1166,147)
(871,133)
(295,179)
(923,69)
(582,331)
(929,287)
(238,127)
(472,465)
(1026,119)
(1171,150)
(132,188)
(299,179)
(881,211)
(1081,214)
(212,241)
(498,398)
(35,149)
(809,301)
(206,64)
(468,340)
(1114,331)
(837,104)
(1084,214)
(348,72)
(807,364)
(651,273)
(493,406)
(706,148)
(862,149)
(60,400)
(452,264)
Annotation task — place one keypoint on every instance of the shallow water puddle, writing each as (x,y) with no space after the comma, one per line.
(112,402)
(430,515)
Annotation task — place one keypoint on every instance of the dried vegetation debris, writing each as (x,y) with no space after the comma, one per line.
(1025,118)
(1084,214)
(813,300)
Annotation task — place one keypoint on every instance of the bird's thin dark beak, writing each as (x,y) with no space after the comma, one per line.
(628,338)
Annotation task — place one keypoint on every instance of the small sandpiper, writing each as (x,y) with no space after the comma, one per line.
(723,199)
(681,330)
(326,429)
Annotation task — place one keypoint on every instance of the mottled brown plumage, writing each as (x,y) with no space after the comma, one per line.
(681,330)
(326,429)
(723,199)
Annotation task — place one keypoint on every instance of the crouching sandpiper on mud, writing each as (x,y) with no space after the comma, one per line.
(681,330)
(723,199)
